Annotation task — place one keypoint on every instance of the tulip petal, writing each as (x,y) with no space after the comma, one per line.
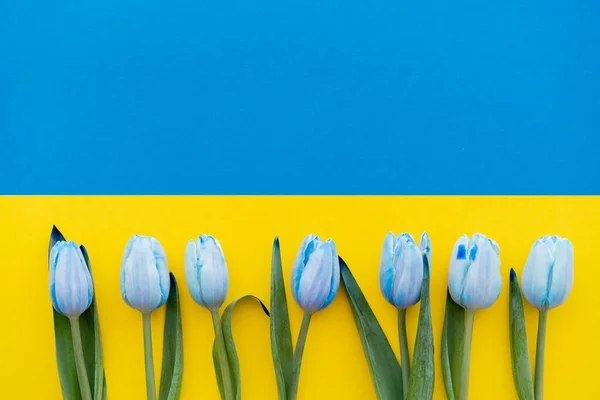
(550,241)
(214,280)
(126,253)
(459,264)
(561,278)
(160,259)
(191,271)
(482,281)
(335,274)
(425,246)
(142,284)
(407,282)
(52,262)
(405,237)
(534,281)
(300,262)
(495,246)
(72,283)
(386,267)
(315,282)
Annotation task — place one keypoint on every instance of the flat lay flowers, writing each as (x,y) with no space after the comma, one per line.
(318,273)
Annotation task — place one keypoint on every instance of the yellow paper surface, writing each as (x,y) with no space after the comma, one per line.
(334,364)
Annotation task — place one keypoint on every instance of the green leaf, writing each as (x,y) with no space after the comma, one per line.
(281,335)
(420,384)
(95,364)
(234,363)
(385,369)
(452,347)
(171,374)
(91,342)
(518,341)
(446,374)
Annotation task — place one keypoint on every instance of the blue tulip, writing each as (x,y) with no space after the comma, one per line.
(474,279)
(401,268)
(206,272)
(315,274)
(548,274)
(145,280)
(71,288)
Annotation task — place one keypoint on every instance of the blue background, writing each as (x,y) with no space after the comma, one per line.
(300,97)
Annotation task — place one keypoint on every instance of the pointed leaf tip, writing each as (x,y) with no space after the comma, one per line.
(55,236)
(513,275)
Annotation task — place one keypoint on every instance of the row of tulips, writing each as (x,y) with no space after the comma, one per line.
(474,283)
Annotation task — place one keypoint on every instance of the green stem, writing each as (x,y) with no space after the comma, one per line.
(466,361)
(84,383)
(539,356)
(222,355)
(297,362)
(149,360)
(405,357)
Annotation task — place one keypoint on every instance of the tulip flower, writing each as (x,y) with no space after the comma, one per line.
(474,283)
(145,286)
(315,282)
(401,270)
(145,280)
(546,283)
(206,272)
(474,277)
(548,274)
(208,281)
(315,274)
(400,279)
(71,288)
(71,291)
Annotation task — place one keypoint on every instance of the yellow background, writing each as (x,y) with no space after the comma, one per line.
(334,364)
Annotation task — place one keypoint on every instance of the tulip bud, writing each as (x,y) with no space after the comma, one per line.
(401,269)
(474,279)
(206,272)
(548,274)
(315,274)
(71,288)
(145,280)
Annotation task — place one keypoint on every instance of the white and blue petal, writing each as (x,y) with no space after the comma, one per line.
(386,267)
(409,276)
(206,272)
(459,264)
(315,276)
(306,247)
(71,287)
(482,282)
(534,280)
(145,281)
(425,246)
(561,281)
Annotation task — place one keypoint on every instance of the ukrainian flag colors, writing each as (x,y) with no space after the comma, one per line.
(360,117)
(334,365)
